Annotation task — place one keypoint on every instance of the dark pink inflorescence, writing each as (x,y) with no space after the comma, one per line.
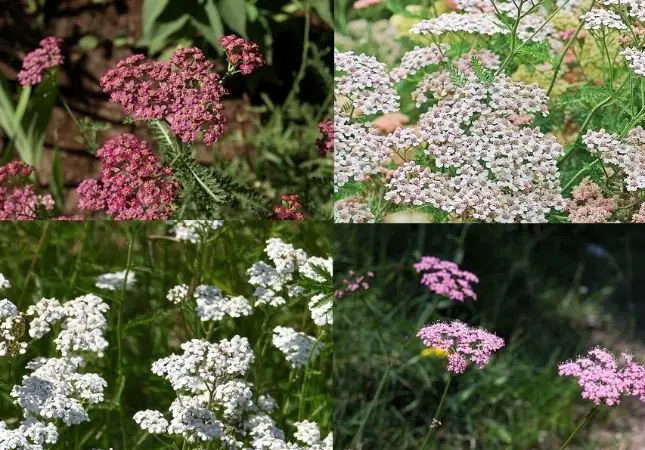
(289,209)
(354,283)
(134,185)
(242,53)
(326,142)
(445,278)
(37,62)
(602,380)
(465,345)
(187,92)
(18,201)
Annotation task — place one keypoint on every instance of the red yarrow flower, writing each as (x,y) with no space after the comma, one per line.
(134,185)
(291,209)
(18,201)
(326,143)
(37,62)
(242,53)
(464,345)
(446,279)
(187,92)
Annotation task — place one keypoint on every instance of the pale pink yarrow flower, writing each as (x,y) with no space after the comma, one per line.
(354,283)
(465,345)
(37,62)
(446,279)
(600,378)
(18,200)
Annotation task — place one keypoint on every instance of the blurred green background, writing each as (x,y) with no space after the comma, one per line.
(550,291)
(63,259)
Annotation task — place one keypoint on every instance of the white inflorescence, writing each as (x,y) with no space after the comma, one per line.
(636,60)
(234,397)
(177,294)
(4,283)
(114,281)
(629,155)
(366,82)
(477,23)
(30,435)
(213,305)
(151,421)
(12,324)
(603,18)
(55,390)
(298,348)
(499,171)
(352,210)
(194,230)
(83,326)
(417,59)
(46,312)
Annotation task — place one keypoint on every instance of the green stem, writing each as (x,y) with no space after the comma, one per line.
(426,441)
(305,60)
(580,427)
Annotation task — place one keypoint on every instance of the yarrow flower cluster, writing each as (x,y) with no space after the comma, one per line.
(18,201)
(290,209)
(602,380)
(12,329)
(242,53)
(83,325)
(597,19)
(186,92)
(464,345)
(636,60)
(445,278)
(503,172)
(194,230)
(587,204)
(114,281)
(39,61)
(297,347)
(417,59)
(352,210)
(134,185)
(4,283)
(213,305)
(326,143)
(354,283)
(476,23)
(627,155)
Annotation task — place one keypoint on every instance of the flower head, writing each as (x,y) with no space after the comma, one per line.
(354,283)
(19,201)
(134,185)
(446,278)
(186,91)
(290,209)
(464,345)
(242,53)
(37,62)
(326,143)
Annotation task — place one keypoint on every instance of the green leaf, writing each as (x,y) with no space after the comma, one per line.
(324,11)
(56,181)
(214,19)
(152,9)
(234,15)
(164,31)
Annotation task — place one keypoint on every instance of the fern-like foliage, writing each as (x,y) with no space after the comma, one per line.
(206,191)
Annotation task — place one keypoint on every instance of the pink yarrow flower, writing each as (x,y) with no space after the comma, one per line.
(134,185)
(39,61)
(446,279)
(289,209)
(464,345)
(18,201)
(354,283)
(601,378)
(242,53)
(187,92)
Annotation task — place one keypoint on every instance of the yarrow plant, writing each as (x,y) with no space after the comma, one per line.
(446,279)
(496,112)
(39,61)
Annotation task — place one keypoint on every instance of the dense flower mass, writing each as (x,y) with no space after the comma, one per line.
(187,92)
(298,348)
(446,278)
(587,204)
(19,201)
(326,143)
(601,378)
(39,61)
(352,210)
(12,329)
(242,53)
(134,185)
(114,281)
(290,209)
(195,230)
(465,345)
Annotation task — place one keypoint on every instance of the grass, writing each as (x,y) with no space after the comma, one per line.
(550,292)
(63,259)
